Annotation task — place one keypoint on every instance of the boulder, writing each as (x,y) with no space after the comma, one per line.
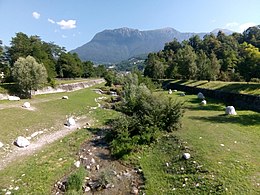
(230,110)
(170,91)
(13,98)
(26,105)
(22,142)
(175,90)
(71,122)
(65,97)
(182,94)
(1,144)
(201,96)
(186,156)
(203,102)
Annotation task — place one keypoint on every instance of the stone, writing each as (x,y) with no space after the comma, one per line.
(182,94)
(87,189)
(26,105)
(65,97)
(22,142)
(1,144)
(71,122)
(77,164)
(186,156)
(134,190)
(13,98)
(175,90)
(203,102)
(170,91)
(230,110)
(8,193)
(201,96)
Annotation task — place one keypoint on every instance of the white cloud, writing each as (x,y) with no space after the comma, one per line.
(36,15)
(51,21)
(64,36)
(235,26)
(67,24)
(245,26)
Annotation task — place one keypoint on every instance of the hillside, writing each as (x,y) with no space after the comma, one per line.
(112,46)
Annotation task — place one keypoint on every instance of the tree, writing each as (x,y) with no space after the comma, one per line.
(186,60)
(88,69)
(203,64)
(29,75)
(250,64)
(69,66)
(214,67)
(155,67)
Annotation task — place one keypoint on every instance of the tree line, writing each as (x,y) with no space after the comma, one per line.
(57,61)
(223,57)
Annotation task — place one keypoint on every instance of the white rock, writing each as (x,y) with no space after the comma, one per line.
(13,98)
(93,160)
(203,102)
(35,134)
(182,94)
(26,105)
(175,90)
(170,91)
(65,97)
(201,96)
(186,156)
(87,189)
(22,142)
(77,164)
(230,110)
(1,144)
(8,193)
(71,121)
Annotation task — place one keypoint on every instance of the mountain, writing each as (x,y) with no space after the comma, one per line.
(112,46)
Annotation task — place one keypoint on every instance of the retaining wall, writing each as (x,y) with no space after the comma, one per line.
(242,101)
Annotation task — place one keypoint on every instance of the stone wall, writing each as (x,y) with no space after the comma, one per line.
(62,88)
(242,101)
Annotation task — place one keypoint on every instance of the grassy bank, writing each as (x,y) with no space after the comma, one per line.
(235,87)
(37,174)
(224,153)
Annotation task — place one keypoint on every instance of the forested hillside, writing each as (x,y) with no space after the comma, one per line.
(223,57)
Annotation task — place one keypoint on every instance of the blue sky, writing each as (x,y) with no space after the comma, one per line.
(72,23)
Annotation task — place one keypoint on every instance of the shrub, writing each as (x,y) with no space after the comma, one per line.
(146,116)
(75,181)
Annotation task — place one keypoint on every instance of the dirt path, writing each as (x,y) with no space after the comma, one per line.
(106,176)
(43,140)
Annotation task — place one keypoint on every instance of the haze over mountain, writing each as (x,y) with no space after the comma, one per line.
(112,46)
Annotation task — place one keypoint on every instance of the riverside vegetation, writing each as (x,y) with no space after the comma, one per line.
(224,149)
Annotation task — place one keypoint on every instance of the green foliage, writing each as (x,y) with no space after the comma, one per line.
(146,115)
(75,180)
(215,57)
(23,46)
(29,75)
(69,66)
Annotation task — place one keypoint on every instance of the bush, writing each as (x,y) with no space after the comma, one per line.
(75,181)
(146,116)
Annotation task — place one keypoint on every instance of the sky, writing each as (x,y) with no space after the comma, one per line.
(72,23)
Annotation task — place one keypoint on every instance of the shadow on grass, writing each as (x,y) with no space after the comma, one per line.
(11,88)
(249,119)
(195,104)
(238,88)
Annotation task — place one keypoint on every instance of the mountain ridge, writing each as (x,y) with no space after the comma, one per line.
(115,45)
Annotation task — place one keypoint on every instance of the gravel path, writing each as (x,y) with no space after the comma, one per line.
(38,144)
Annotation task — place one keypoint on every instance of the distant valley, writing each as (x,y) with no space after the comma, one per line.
(113,46)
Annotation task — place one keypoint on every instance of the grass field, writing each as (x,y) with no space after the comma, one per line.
(37,174)
(227,147)
(236,87)
(224,149)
